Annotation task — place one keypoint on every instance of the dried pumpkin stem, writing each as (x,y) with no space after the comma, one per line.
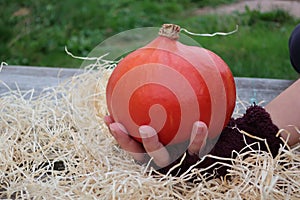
(170,31)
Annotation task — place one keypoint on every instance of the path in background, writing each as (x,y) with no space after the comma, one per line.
(293,7)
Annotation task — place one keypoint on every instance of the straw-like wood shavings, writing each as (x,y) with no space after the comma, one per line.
(55,145)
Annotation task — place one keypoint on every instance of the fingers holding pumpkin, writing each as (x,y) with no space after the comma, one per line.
(163,156)
(126,142)
(154,147)
(150,146)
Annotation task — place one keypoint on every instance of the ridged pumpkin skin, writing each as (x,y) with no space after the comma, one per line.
(169,86)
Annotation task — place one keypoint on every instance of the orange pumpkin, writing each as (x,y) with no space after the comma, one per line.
(169,86)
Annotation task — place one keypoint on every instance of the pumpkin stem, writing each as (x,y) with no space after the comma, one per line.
(170,31)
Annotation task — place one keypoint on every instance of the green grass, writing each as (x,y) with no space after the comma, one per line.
(38,36)
(258,49)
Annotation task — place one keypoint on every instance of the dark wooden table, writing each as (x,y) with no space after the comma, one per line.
(26,78)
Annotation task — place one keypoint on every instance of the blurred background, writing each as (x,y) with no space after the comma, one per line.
(35,32)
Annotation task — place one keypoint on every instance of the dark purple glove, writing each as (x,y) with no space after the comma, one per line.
(256,121)
(294,47)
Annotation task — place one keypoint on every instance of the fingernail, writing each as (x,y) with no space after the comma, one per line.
(112,128)
(200,125)
(115,126)
(147,131)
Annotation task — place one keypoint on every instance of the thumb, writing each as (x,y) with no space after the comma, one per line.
(198,138)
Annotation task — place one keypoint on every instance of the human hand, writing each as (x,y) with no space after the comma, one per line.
(151,147)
